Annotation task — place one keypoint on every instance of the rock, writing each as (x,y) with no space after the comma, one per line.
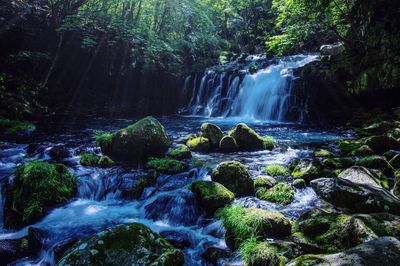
(213,254)
(276,170)
(355,197)
(248,139)
(132,185)
(213,133)
(322,153)
(299,183)
(15,129)
(308,170)
(292,165)
(376,162)
(212,195)
(36,239)
(131,244)
(395,162)
(347,146)
(362,175)
(380,144)
(89,160)
(59,152)
(37,187)
(179,240)
(242,224)
(105,162)
(376,128)
(364,150)
(389,155)
(228,144)
(166,165)
(264,182)
(338,163)
(235,177)
(332,49)
(199,144)
(180,152)
(135,143)
(61,247)
(381,251)
(13,249)
(281,193)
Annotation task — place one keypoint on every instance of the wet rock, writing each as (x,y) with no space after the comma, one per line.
(380,144)
(332,49)
(89,159)
(264,182)
(322,153)
(13,249)
(347,146)
(132,244)
(395,162)
(389,155)
(376,128)
(248,139)
(235,177)
(61,247)
(177,239)
(137,142)
(364,150)
(338,163)
(59,152)
(132,186)
(211,195)
(376,162)
(355,197)
(166,165)
(36,239)
(199,144)
(180,152)
(299,183)
(213,254)
(381,251)
(106,162)
(308,170)
(276,170)
(228,144)
(213,133)
(362,175)
(280,193)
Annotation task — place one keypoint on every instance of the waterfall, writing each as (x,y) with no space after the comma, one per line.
(264,95)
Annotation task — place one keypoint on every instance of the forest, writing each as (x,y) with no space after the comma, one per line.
(200,132)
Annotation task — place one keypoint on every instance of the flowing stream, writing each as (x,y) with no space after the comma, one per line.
(168,207)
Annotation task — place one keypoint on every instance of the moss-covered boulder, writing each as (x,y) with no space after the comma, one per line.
(347,146)
(375,162)
(37,187)
(264,182)
(166,165)
(228,144)
(242,224)
(362,175)
(235,177)
(248,139)
(308,170)
(15,128)
(381,251)
(211,195)
(338,163)
(378,128)
(276,170)
(380,144)
(281,193)
(180,152)
(322,153)
(105,162)
(213,133)
(364,150)
(299,183)
(131,244)
(89,159)
(199,144)
(145,138)
(59,152)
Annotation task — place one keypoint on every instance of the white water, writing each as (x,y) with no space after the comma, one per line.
(266,95)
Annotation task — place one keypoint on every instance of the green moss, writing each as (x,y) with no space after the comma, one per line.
(269,143)
(264,181)
(105,162)
(15,127)
(228,144)
(276,170)
(322,153)
(299,183)
(213,133)
(338,163)
(308,170)
(38,185)
(308,260)
(281,193)
(375,162)
(199,144)
(89,159)
(248,139)
(212,195)
(104,140)
(166,165)
(348,146)
(261,253)
(180,152)
(364,150)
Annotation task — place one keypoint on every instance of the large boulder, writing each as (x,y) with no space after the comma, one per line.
(355,197)
(131,244)
(381,251)
(382,143)
(211,195)
(378,128)
(199,144)
(248,139)
(135,143)
(338,163)
(308,170)
(213,133)
(362,175)
(228,144)
(235,177)
(180,152)
(376,162)
(364,150)
(37,187)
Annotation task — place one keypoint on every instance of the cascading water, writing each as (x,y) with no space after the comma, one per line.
(264,95)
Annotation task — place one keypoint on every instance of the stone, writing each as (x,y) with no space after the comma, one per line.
(264,182)
(362,175)
(211,195)
(332,49)
(299,183)
(308,170)
(213,133)
(199,144)
(281,193)
(248,139)
(228,144)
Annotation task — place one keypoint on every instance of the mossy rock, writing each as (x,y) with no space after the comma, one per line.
(389,155)
(395,162)
(37,187)
(243,224)
(364,150)
(375,162)
(322,153)
(104,141)
(308,170)
(136,143)
(280,193)
(199,144)
(276,170)
(89,159)
(213,133)
(15,128)
(347,146)
(235,177)
(299,183)
(264,182)
(59,152)
(292,165)
(166,165)
(362,175)
(131,244)
(180,152)
(383,143)
(105,162)
(211,195)
(228,144)
(375,128)
(248,139)
(338,163)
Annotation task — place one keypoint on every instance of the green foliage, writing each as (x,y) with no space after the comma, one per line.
(166,165)
(281,193)
(103,138)
(38,185)
(89,159)
(15,127)
(256,253)
(276,170)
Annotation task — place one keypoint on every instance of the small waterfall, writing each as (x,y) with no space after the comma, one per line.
(236,92)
